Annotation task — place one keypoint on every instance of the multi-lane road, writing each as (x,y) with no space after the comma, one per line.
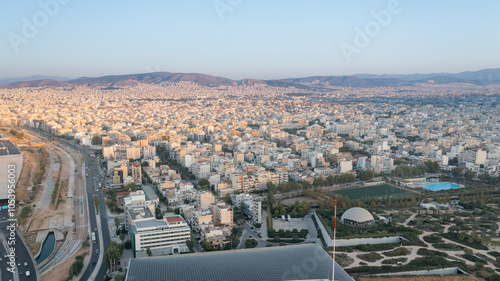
(22,256)
(92,180)
(102,233)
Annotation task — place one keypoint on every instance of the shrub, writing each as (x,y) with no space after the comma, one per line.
(397,252)
(394,261)
(431,253)
(370,257)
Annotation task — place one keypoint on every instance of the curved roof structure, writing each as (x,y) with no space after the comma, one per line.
(358,215)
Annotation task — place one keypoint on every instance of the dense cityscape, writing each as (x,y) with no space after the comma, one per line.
(232,140)
(181,167)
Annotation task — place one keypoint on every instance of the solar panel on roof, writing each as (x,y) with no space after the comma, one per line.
(298,262)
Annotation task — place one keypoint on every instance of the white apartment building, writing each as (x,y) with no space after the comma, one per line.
(345,166)
(162,237)
(201,170)
(252,206)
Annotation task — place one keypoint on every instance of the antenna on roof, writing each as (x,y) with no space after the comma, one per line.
(334,236)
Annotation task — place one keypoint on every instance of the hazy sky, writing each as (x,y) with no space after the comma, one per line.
(247,38)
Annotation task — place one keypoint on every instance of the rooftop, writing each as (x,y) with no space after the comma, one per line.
(150,193)
(8,148)
(298,262)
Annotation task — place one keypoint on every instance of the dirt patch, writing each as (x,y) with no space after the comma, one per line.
(291,201)
(30,239)
(26,177)
(343,259)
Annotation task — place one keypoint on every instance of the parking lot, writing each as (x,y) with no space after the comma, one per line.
(297,223)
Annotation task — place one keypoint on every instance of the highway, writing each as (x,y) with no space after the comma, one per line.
(22,253)
(91,182)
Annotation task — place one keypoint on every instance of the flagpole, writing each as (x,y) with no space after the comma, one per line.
(334,236)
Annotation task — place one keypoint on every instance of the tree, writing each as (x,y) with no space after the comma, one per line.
(469,174)
(96,140)
(77,266)
(112,254)
(251,243)
(127,244)
(276,213)
(318,182)
(235,242)
(122,236)
(130,186)
(227,198)
(270,198)
(366,175)
(271,187)
(456,172)
(190,243)
(148,251)
(158,214)
(203,183)
(432,166)
(206,246)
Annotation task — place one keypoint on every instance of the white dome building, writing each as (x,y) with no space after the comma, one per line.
(357,217)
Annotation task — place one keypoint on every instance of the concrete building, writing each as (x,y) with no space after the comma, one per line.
(163,237)
(137,173)
(252,206)
(223,215)
(269,263)
(201,170)
(345,166)
(206,199)
(11,164)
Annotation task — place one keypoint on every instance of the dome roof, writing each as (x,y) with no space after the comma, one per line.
(357,214)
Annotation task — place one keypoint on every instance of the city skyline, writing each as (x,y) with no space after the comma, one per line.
(241,39)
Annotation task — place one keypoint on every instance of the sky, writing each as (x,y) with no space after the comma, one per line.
(247,38)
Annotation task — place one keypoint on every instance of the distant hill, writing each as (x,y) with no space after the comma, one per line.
(36,83)
(149,78)
(485,76)
(6,81)
(482,77)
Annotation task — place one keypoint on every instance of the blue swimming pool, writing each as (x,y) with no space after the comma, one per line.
(440,186)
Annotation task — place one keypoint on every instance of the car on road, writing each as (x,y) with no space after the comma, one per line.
(97,251)
(25,263)
(28,273)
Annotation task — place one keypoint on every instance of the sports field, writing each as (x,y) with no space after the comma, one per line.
(379,191)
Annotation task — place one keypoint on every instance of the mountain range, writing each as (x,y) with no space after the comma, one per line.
(480,78)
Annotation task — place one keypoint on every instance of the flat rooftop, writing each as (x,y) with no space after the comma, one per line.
(8,148)
(152,222)
(149,192)
(297,262)
(140,212)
